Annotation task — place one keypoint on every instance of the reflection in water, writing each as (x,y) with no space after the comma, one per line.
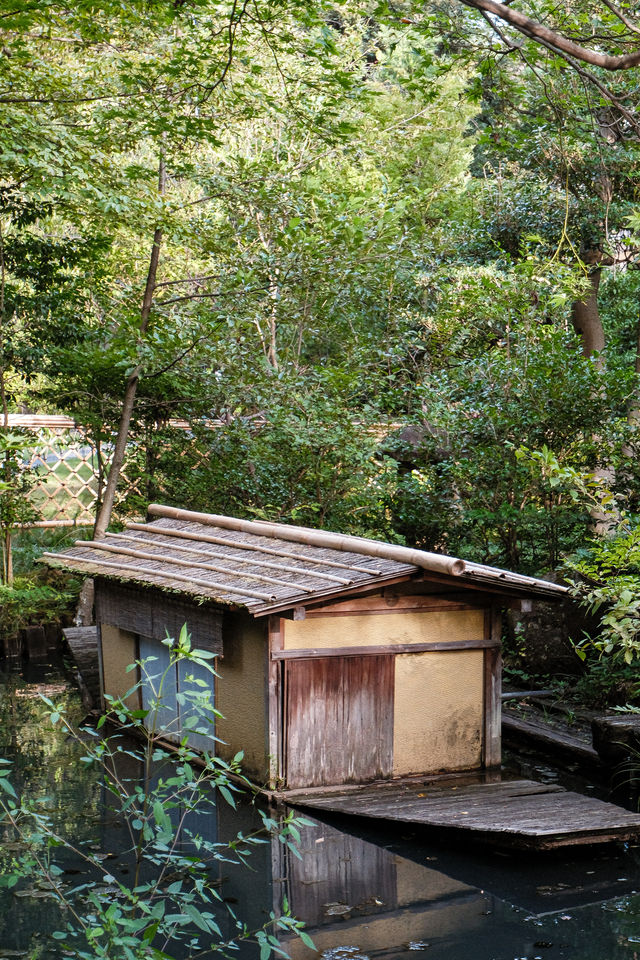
(362,892)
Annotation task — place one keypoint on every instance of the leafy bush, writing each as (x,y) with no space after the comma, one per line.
(469,493)
(610,582)
(32,601)
(313,462)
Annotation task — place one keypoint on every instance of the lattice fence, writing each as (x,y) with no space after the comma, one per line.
(66,465)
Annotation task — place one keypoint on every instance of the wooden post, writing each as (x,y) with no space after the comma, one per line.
(102,703)
(492,747)
(12,645)
(35,642)
(274,700)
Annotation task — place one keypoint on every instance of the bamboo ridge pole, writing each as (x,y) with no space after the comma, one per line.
(320,538)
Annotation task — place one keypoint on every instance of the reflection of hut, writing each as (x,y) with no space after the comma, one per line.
(340,659)
(347,890)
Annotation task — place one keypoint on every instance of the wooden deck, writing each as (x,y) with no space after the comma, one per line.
(83,644)
(515,814)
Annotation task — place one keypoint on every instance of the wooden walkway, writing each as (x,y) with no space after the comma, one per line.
(83,644)
(517,813)
(539,735)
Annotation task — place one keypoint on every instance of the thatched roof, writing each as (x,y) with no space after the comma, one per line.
(268,567)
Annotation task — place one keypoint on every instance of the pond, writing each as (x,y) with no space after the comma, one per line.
(362,892)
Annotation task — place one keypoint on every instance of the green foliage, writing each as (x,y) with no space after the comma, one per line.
(364,217)
(608,570)
(16,480)
(618,300)
(309,463)
(27,602)
(168,898)
(38,595)
(607,682)
(610,583)
(469,491)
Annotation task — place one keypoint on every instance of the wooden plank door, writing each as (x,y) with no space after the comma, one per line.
(338,719)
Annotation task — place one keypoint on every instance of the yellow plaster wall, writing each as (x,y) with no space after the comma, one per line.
(438,707)
(241,694)
(383,629)
(456,920)
(416,883)
(118,651)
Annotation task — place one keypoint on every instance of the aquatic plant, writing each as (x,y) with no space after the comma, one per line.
(160,896)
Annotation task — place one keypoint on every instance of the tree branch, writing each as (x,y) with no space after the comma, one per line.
(103,517)
(551,39)
(591,78)
(496,29)
(173,283)
(216,295)
(621,16)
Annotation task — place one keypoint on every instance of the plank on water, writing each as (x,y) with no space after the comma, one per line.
(518,813)
(83,644)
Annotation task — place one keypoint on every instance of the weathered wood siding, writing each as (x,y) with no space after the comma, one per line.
(335,866)
(338,720)
(241,693)
(438,711)
(363,630)
(403,901)
(156,613)
(118,650)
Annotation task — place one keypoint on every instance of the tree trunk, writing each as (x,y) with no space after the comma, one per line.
(106,507)
(7,551)
(585,317)
(586,321)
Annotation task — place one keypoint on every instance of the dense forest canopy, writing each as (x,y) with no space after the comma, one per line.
(389,248)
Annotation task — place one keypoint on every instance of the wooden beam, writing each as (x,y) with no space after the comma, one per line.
(365,651)
(322,596)
(363,606)
(509,592)
(491,741)
(101,704)
(296,613)
(274,700)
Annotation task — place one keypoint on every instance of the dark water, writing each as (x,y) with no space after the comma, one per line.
(363,893)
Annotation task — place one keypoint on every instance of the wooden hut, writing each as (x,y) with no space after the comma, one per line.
(340,659)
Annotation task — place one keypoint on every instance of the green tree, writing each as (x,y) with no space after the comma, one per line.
(509,380)
(15,482)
